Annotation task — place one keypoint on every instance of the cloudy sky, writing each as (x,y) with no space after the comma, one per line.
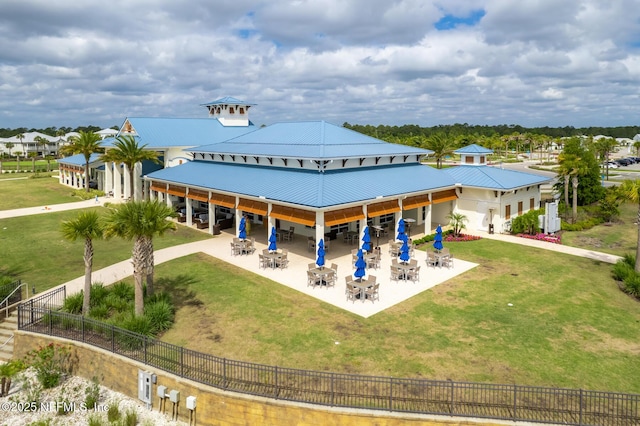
(425,62)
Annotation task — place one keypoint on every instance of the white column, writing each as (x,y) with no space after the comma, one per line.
(319,226)
(117,181)
(137,182)
(127,193)
(427,219)
(108,177)
(212,213)
(189,213)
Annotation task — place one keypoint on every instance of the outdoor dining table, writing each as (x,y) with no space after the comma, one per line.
(273,258)
(369,258)
(363,285)
(244,246)
(323,274)
(405,268)
(352,236)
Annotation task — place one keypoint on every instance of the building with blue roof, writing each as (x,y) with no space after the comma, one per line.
(317,177)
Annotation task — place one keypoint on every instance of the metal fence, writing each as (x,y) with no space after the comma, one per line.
(506,402)
(9,294)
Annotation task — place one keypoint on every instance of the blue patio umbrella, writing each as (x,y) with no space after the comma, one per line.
(320,259)
(242,229)
(400,229)
(404,250)
(360,266)
(272,240)
(366,239)
(437,241)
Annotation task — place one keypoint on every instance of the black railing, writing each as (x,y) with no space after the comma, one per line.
(30,311)
(506,402)
(10,294)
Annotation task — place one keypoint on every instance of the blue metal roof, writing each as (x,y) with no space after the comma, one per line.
(493,177)
(183,132)
(473,149)
(227,100)
(306,187)
(309,139)
(78,159)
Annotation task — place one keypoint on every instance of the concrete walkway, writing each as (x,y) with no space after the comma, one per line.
(294,277)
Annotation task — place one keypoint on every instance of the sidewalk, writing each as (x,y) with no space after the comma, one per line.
(28,211)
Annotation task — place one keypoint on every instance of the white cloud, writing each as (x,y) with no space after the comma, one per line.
(533,62)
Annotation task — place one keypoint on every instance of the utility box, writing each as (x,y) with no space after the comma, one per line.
(552,222)
(145,379)
(162,391)
(174,396)
(191,402)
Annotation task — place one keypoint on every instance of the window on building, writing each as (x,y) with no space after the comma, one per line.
(520,203)
(468,159)
(241,110)
(507,211)
(387,218)
(532,204)
(482,159)
(231,110)
(342,227)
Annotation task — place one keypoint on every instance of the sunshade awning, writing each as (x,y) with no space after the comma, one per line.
(223,200)
(180,191)
(291,214)
(385,207)
(198,195)
(159,187)
(252,206)
(442,196)
(336,217)
(415,202)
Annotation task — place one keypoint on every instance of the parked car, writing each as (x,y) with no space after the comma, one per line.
(611,165)
(623,162)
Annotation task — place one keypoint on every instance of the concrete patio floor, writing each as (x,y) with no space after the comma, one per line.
(295,275)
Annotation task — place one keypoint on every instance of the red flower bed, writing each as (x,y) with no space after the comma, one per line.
(542,237)
(461,237)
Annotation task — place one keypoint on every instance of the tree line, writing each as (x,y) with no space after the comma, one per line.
(460,129)
(51,131)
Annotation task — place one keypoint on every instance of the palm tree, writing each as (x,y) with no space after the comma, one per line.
(127,151)
(457,221)
(140,221)
(48,158)
(33,156)
(43,142)
(86,144)
(86,225)
(21,137)
(9,146)
(442,145)
(630,190)
(18,154)
(571,166)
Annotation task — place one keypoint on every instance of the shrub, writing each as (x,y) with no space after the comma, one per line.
(117,303)
(136,323)
(123,290)
(92,394)
(160,314)
(50,363)
(113,414)
(73,304)
(99,312)
(527,223)
(98,294)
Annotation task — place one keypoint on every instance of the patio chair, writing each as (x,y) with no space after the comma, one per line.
(312,279)
(352,292)
(262,264)
(372,279)
(330,279)
(431,259)
(447,261)
(235,249)
(311,266)
(372,293)
(327,245)
(282,262)
(396,273)
(413,263)
(288,236)
(334,268)
(311,244)
(414,274)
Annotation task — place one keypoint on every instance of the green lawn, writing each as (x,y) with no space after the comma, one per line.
(18,193)
(569,326)
(32,249)
(619,237)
